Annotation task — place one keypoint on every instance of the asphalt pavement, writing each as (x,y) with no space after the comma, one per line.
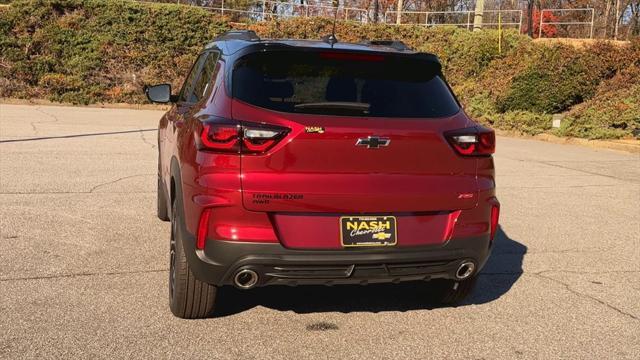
(83,265)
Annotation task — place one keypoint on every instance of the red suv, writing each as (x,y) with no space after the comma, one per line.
(294,162)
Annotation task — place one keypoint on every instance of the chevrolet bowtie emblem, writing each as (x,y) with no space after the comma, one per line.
(381,236)
(373,142)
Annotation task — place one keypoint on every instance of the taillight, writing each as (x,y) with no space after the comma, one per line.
(220,136)
(495,215)
(473,141)
(246,138)
(260,139)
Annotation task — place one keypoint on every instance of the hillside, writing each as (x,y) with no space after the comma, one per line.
(102,51)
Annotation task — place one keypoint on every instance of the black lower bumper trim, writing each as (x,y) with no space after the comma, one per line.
(355,273)
(275,264)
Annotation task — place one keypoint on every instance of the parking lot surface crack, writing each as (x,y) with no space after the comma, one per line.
(115,181)
(542,275)
(560,187)
(33,123)
(144,140)
(554,164)
(72,136)
(568,251)
(83,274)
(70,192)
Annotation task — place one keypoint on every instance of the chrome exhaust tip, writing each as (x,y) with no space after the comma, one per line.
(245,279)
(465,270)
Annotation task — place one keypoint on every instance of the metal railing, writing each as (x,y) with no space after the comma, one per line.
(265,10)
(307,10)
(456,18)
(270,10)
(586,11)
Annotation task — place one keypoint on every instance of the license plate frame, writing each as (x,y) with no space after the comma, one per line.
(362,231)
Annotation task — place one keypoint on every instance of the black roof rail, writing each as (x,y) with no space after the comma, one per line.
(246,35)
(395,44)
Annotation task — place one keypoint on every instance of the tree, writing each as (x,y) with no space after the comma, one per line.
(547,29)
(531,4)
(634,27)
(477,18)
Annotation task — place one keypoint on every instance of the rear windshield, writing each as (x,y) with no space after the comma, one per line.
(334,83)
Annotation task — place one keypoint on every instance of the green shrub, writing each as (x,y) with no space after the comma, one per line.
(115,47)
(481,107)
(523,121)
(553,81)
(464,54)
(87,51)
(552,78)
(470,53)
(95,50)
(613,113)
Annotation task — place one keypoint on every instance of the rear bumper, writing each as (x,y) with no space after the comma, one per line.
(276,265)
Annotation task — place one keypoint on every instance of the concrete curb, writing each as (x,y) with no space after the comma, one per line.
(631,146)
(11,101)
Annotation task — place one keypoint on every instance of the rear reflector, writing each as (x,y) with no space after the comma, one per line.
(495,215)
(452,219)
(473,141)
(203,228)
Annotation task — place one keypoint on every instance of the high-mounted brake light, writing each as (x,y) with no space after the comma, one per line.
(246,138)
(351,56)
(473,141)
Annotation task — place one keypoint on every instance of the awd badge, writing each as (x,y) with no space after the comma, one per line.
(314,129)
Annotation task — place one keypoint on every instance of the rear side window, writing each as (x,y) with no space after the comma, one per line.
(204,80)
(334,83)
(198,81)
(187,93)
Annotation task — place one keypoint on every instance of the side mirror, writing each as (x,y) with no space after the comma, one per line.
(159,93)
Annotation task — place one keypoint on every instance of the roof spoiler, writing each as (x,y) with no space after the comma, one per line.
(246,35)
(394,44)
(330,39)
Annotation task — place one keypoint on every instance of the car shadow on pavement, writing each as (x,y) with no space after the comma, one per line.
(501,272)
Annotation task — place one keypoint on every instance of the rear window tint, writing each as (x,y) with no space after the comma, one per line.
(352,84)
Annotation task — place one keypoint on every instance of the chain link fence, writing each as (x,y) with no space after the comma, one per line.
(566,23)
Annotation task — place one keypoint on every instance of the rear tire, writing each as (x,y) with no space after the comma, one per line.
(161,200)
(189,298)
(451,292)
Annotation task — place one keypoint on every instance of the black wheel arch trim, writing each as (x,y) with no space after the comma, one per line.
(186,239)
